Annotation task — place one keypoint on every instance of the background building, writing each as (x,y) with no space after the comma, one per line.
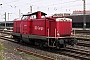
(77,18)
(80,12)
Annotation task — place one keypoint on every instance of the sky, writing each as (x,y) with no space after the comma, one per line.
(13,7)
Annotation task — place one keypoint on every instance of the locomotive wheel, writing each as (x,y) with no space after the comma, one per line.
(32,41)
(41,45)
(61,46)
(17,39)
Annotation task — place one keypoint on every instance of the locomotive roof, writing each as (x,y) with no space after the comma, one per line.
(42,13)
(63,19)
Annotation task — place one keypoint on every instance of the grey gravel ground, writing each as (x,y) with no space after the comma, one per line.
(9,53)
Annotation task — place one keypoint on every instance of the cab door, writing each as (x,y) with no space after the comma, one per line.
(50,28)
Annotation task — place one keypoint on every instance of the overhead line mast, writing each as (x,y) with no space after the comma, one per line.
(84,15)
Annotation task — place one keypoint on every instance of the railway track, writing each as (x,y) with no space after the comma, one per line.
(8,28)
(36,54)
(6,32)
(22,50)
(84,39)
(82,31)
(84,44)
(76,53)
(72,52)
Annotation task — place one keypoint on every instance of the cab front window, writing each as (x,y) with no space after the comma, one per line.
(24,17)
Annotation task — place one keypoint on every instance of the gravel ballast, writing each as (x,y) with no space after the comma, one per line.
(9,52)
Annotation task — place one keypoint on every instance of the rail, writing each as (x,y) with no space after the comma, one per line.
(36,54)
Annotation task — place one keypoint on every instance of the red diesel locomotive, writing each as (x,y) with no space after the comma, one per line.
(44,31)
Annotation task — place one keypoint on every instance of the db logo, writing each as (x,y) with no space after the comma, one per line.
(38,28)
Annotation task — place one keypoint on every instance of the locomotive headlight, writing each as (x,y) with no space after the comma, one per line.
(58,34)
(71,32)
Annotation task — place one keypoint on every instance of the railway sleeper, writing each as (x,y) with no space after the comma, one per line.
(75,55)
